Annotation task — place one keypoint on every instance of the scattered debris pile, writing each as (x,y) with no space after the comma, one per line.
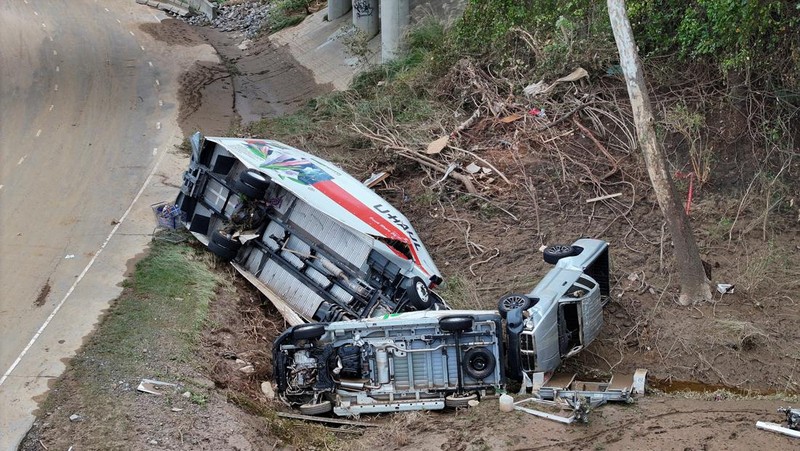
(247,17)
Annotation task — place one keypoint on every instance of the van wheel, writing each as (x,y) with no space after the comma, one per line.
(456,323)
(308,331)
(223,253)
(418,294)
(512,302)
(479,363)
(316,409)
(454,401)
(552,254)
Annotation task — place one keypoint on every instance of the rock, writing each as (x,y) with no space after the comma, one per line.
(153,442)
(176,409)
(75,417)
(187,394)
(266,388)
(249,369)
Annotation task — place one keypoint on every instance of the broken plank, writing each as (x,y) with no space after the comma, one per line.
(607,196)
(290,315)
(297,416)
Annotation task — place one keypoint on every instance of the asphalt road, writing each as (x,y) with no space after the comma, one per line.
(87,112)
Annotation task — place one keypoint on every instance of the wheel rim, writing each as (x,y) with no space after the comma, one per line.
(479,363)
(559,249)
(513,302)
(422,291)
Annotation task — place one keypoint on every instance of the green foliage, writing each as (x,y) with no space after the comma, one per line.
(288,13)
(742,35)
(554,36)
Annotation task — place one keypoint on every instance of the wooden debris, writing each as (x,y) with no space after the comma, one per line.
(375,178)
(297,416)
(437,146)
(607,196)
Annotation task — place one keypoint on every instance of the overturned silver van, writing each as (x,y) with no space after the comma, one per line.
(316,241)
(564,311)
(431,360)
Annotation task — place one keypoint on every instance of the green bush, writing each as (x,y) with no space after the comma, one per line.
(748,36)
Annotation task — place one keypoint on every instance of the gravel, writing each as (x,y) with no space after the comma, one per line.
(247,17)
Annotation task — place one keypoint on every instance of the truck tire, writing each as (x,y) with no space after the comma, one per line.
(459,323)
(223,253)
(316,409)
(255,179)
(454,401)
(223,241)
(418,294)
(479,363)
(248,191)
(308,331)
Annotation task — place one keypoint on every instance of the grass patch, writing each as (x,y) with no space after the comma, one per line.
(158,318)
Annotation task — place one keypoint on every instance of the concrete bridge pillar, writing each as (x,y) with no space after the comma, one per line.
(366,17)
(395,16)
(338,8)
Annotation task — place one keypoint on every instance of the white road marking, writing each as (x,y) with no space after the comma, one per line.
(55,88)
(119,21)
(39,133)
(58,68)
(106,9)
(69,256)
(51,107)
(131,33)
(21,160)
(150,63)
(43,25)
(82,274)
(1,186)
(55,52)
(158,125)
(141,47)
(160,102)
(158,83)
(157,18)
(35,13)
(51,38)
(155,152)
(26,1)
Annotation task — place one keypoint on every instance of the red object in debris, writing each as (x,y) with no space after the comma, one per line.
(536,112)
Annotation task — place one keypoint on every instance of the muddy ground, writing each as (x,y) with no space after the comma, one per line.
(743,349)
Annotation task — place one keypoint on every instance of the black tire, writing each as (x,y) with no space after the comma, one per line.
(308,331)
(223,253)
(479,363)
(511,302)
(418,294)
(316,409)
(456,323)
(247,190)
(222,240)
(255,179)
(455,401)
(552,254)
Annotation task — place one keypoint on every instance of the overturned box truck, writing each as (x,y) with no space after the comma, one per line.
(305,231)
(378,339)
